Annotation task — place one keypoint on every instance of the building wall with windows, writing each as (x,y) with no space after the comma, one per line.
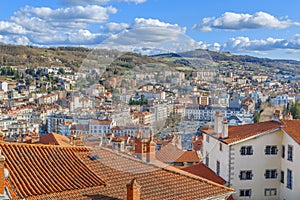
(260,166)
(290,161)
(257,161)
(216,151)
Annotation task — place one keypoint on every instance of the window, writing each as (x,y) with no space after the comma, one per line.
(290,153)
(283,151)
(282,176)
(246,150)
(246,175)
(245,193)
(270,192)
(218,168)
(289,181)
(271,150)
(220,147)
(271,173)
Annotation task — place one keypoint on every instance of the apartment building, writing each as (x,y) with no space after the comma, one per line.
(258,160)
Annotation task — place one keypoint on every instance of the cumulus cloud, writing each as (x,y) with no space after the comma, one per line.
(146,33)
(245,44)
(112,26)
(11,28)
(90,13)
(18,40)
(236,21)
(62,26)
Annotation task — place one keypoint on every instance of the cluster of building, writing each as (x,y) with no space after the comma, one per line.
(171,135)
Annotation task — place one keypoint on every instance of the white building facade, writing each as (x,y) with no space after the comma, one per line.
(259,160)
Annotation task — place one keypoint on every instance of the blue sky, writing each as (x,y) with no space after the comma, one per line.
(253,27)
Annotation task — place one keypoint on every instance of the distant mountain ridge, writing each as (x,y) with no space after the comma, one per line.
(73,57)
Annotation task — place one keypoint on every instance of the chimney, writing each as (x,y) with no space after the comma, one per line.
(139,148)
(289,116)
(72,138)
(1,136)
(133,190)
(218,123)
(225,129)
(277,114)
(151,147)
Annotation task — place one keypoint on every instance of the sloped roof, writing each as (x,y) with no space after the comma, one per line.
(38,171)
(202,170)
(55,139)
(171,154)
(292,127)
(237,133)
(157,182)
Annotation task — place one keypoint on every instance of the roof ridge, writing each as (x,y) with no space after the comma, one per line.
(76,148)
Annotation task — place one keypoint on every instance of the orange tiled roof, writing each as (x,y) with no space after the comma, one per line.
(100,122)
(237,133)
(292,127)
(55,139)
(41,170)
(158,182)
(202,170)
(171,154)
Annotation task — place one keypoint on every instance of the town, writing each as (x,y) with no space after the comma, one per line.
(202,119)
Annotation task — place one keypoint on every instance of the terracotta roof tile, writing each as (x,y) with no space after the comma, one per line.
(55,139)
(292,127)
(237,133)
(44,170)
(171,154)
(158,182)
(202,170)
(100,122)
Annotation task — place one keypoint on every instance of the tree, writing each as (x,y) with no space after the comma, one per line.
(61,71)
(294,109)
(256,117)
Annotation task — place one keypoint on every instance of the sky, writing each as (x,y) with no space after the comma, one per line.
(261,28)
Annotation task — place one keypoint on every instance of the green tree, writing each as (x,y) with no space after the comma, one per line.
(256,117)
(61,71)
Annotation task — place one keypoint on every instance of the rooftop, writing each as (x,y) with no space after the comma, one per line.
(47,171)
(202,170)
(237,133)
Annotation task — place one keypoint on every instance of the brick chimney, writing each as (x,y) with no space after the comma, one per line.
(150,147)
(218,123)
(140,148)
(133,190)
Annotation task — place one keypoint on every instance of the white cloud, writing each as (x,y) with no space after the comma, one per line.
(17,40)
(11,28)
(245,44)
(85,37)
(62,26)
(89,13)
(149,33)
(112,26)
(236,21)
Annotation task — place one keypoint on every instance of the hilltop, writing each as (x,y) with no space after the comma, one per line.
(11,55)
